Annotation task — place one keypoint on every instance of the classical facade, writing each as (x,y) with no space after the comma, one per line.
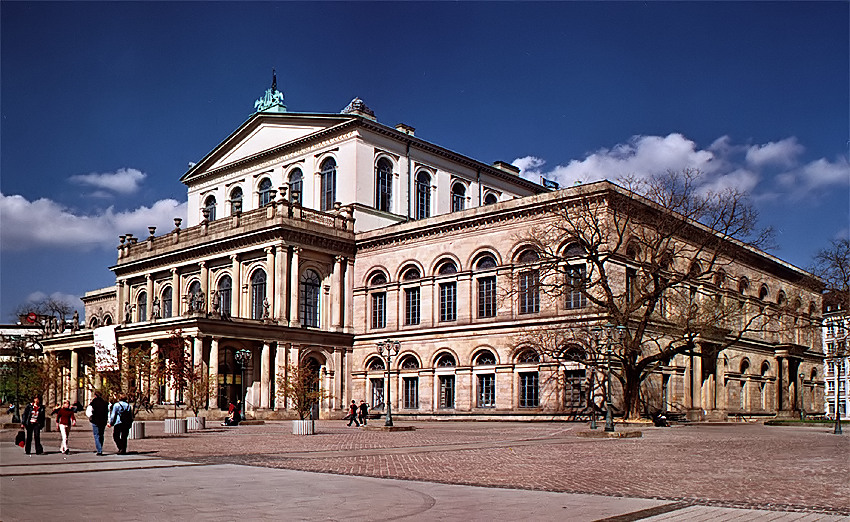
(311,238)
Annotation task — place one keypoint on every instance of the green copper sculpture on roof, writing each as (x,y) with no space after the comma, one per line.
(272,100)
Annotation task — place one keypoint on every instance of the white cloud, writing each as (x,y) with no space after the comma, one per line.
(69,299)
(122,181)
(783,153)
(723,164)
(42,223)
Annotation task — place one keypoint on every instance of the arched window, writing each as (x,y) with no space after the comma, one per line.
(765,368)
(236,200)
(486,287)
(529,284)
(576,278)
(458,196)
(409,362)
(328,176)
(309,291)
(225,295)
(527,357)
(490,199)
(745,365)
(412,296)
(107,320)
(743,285)
(423,195)
(447,268)
(167,302)
(258,293)
(720,279)
(142,306)
(781,299)
(209,208)
(93,323)
(265,192)
(383,185)
(379,301)
(446,360)
(376,364)
(295,187)
(485,358)
(764,291)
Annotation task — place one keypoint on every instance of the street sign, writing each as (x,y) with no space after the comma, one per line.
(31,317)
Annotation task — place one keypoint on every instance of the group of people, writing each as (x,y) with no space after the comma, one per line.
(118,416)
(357,414)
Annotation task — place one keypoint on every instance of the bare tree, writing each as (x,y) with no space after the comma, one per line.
(46,310)
(301,387)
(648,258)
(832,264)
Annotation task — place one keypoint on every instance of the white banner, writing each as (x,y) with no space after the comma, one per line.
(105,349)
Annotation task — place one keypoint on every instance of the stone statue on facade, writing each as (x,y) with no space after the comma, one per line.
(75,322)
(200,301)
(216,302)
(128,312)
(265,308)
(155,308)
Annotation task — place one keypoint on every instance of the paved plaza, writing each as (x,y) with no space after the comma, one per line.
(440,471)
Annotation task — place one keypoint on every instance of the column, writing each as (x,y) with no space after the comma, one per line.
(292,360)
(348,312)
(75,375)
(279,308)
(280,375)
(213,372)
(124,352)
(237,286)
(150,296)
(339,380)
(176,294)
(779,384)
(197,351)
(155,364)
(265,374)
(336,290)
(119,306)
(205,283)
(293,289)
(270,282)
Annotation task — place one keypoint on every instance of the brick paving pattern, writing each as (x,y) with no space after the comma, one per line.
(729,467)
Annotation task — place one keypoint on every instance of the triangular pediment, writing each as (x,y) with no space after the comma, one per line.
(260,133)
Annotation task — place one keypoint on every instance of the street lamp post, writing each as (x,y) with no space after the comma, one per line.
(243,357)
(391,347)
(836,365)
(610,332)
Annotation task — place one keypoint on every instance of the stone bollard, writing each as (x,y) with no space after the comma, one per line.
(196,423)
(175,426)
(137,430)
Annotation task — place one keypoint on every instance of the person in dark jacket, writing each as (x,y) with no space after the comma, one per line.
(363,412)
(99,418)
(33,422)
(352,414)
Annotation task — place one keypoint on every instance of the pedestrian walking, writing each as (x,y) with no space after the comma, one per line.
(363,412)
(33,422)
(352,414)
(64,420)
(98,413)
(120,419)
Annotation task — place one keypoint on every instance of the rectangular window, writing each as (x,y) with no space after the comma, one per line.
(631,280)
(576,298)
(411,306)
(410,400)
(528,390)
(573,392)
(447,391)
(487,296)
(529,292)
(448,301)
(379,310)
(377,392)
(487,391)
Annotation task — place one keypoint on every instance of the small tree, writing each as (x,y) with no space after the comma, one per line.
(177,366)
(301,388)
(198,388)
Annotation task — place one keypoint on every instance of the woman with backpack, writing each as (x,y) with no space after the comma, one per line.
(121,418)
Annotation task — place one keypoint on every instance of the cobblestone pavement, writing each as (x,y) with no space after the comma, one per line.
(726,467)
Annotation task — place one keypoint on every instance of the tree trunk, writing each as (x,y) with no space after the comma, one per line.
(631,395)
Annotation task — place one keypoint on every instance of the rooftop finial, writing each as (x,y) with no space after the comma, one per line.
(272,100)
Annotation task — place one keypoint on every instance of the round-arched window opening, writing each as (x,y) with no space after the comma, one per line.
(409,362)
(445,360)
(764,291)
(376,364)
(485,262)
(209,208)
(528,256)
(411,274)
(447,268)
(378,278)
(485,358)
(491,199)
(528,356)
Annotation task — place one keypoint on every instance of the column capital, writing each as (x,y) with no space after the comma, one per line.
(173,270)
(339,259)
(268,250)
(202,264)
(148,276)
(234,257)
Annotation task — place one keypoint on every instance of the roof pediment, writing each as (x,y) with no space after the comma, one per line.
(261,132)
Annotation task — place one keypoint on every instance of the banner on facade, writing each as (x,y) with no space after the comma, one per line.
(105,349)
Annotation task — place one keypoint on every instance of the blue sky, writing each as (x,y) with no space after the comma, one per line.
(105,104)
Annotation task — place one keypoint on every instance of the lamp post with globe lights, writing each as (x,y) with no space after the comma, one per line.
(610,333)
(391,347)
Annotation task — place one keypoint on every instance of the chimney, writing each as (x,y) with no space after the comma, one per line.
(405,128)
(506,167)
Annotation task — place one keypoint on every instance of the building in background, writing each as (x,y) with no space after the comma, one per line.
(836,368)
